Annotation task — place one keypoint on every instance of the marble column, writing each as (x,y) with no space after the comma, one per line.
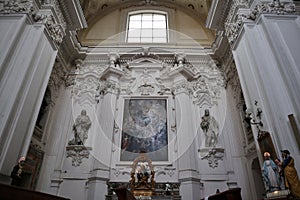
(268,66)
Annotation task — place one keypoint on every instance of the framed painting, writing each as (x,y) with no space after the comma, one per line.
(144,129)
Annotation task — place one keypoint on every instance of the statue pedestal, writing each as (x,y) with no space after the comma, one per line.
(142,193)
(77,153)
(279,195)
(204,151)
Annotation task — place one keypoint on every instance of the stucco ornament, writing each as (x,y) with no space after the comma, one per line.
(213,156)
(275,7)
(85,81)
(52,18)
(147,86)
(237,17)
(14,6)
(77,153)
(55,29)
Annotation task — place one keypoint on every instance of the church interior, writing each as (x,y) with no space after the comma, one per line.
(150,99)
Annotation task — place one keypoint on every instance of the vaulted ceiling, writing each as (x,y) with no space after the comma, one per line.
(198,8)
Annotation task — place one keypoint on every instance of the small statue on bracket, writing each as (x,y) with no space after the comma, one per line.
(210,128)
(81,126)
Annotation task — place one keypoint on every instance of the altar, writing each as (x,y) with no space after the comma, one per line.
(142,185)
(142,177)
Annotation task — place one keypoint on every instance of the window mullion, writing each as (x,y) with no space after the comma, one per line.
(141,27)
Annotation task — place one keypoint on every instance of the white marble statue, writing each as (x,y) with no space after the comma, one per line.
(210,128)
(81,126)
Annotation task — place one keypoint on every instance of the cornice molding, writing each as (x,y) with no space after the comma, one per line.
(74,15)
(217,14)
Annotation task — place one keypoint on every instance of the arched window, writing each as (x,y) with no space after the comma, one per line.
(147,27)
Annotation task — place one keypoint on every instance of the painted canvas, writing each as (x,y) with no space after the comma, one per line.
(145,129)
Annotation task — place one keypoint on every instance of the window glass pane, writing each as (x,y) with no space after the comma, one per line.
(159,17)
(138,40)
(136,17)
(146,33)
(147,17)
(159,33)
(159,24)
(146,39)
(134,33)
(147,24)
(160,40)
(135,24)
